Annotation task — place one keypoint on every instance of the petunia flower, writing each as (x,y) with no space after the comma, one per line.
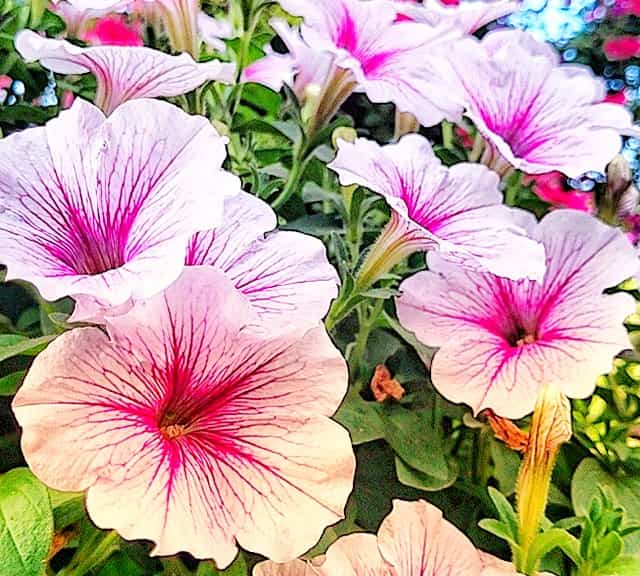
(552,188)
(368,51)
(192,424)
(113,30)
(536,115)
(123,72)
(501,340)
(455,210)
(213,31)
(105,207)
(621,48)
(413,540)
(468,16)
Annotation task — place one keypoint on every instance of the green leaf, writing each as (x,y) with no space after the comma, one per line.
(120,564)
(623,491)
(26,524)
(505,511)
(360,417)
(416,441)
(68,507)
(411,477)
(608,549)
(621,566)
(551,539)
(14,345)
(10,383)
(498,528)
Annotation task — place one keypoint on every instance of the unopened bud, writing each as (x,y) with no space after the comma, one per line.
(618,177)
(550,428)
(343,133)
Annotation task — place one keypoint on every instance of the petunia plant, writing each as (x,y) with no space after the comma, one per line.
(295,288)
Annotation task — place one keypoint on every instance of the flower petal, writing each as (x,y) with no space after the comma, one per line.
(293,568)
(355,555)
(123,72)
(417,541)
(285,275)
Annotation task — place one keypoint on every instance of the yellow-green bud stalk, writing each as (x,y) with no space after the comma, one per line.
(550,428)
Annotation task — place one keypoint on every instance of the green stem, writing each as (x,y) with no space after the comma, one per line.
(298,167)
(367,323)
(447,135)
(94,556)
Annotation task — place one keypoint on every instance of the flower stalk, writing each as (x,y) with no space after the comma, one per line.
(550,428)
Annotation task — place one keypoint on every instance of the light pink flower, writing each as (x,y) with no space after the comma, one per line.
(192,424)
(214,30)
(468,16)
(455,210)
(413,540)
(501,340)
(113,30)
(123,72)
(368,51)
(539,115)
(284,274)
(105,207)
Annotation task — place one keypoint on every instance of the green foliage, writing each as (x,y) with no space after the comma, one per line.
(26,524)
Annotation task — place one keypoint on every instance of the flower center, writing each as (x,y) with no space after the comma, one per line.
(521,337)
(172,431)
(171,425)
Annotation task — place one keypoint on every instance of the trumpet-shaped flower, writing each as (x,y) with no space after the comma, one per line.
(105,207)
(455,210)
(540,116)
(502,340)
(285,275)
(413,540)
(192,424)
(468,16)
(368,50)
(123,72)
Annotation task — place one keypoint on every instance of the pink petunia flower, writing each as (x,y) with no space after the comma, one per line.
(616,97)
(413,540)
(621,48)
(347,45)
(105,207)
(123,72)
(285,275)
(502,340)
(192,424)
(455,210)
(552,188)
(468,16)
(113,30)
(540,116)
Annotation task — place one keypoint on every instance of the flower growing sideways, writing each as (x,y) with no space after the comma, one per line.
(535,114)
(105,207)
(501,340)
(347,45)
(413,540)
(455,210)
(194,424)
(123,72)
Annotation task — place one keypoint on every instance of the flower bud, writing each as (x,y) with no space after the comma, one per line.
(343,133)
(550,428)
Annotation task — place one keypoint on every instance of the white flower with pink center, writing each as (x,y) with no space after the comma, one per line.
(123,72)
(105,207)
(501,340)
(535,113)
(456,210)
(193,424)
(347,45)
